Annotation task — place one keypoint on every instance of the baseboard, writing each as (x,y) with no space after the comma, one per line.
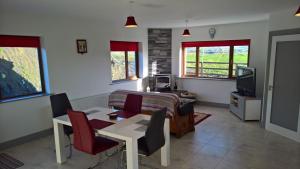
(92,96)
(221,105)
(26,139)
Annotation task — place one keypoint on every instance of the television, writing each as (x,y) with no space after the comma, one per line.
(246,81)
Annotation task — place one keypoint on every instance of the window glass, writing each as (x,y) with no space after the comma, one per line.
(214,61)
(131,64)
(19,72)
(118,65)
(240,57)
(190,61)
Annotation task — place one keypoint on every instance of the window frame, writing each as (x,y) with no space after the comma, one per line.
(11,39)
(132,47)
(198,44)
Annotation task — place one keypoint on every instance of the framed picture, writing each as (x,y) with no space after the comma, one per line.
(81,46)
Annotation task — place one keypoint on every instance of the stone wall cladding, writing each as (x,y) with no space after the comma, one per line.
(159,51)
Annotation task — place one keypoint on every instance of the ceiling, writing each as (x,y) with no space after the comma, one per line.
(155,13)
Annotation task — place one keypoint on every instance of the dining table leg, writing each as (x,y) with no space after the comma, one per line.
(59,139)
(165,150)
(132,154)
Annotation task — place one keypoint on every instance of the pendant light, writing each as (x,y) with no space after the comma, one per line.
(130,22)
(186,32)
(298,12)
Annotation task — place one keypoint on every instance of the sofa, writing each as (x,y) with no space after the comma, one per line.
(181,115)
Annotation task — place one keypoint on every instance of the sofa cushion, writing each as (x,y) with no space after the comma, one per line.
(152,101)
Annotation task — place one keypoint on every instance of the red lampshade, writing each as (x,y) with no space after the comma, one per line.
(298,12)
(186,32)
(130,22)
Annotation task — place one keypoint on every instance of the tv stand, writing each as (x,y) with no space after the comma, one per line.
(245,107)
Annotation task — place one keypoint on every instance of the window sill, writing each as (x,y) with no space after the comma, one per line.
(23,98)
(212,79)
(122,81)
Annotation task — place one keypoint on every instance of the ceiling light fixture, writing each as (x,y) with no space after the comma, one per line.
(186,31)
(130,22)
(298,12)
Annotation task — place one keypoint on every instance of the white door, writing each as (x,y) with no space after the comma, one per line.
(283,104)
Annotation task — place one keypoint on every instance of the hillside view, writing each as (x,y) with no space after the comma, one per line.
(19,71)
(214,61)
(118,65)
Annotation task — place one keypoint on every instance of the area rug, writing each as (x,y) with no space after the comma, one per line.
(198,117)
(8,162)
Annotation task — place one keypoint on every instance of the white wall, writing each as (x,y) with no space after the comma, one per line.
(78,75)
(218,91)
(89,74)
(284,20)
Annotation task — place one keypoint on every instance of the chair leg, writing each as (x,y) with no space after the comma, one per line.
(122,159)
(122,150)
(96,165)
(111,154)
(144,164)
(70,147)
(51,143)
(100,161)
(140,160)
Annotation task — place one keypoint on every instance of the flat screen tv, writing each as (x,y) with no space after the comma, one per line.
(246,81)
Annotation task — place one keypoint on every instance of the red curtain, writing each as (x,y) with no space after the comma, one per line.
(123,46)
(19,41)
(216,43)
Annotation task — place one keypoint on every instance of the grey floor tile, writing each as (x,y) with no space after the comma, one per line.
(221,141)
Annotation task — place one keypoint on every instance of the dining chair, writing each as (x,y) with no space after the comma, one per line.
(133,103)
(59,105)
(84,136)
(154,137)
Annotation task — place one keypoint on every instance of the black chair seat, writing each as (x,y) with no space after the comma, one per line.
(142,146)
(68,130)
(154,137)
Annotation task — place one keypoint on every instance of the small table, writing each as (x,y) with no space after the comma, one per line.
(184,98)
(123,129)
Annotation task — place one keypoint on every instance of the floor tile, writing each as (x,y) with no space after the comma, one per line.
(222,141)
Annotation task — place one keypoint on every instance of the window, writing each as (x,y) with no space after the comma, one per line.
(124,60)
(21,70)
(214,59)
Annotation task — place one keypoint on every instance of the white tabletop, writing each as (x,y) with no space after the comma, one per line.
(122,129)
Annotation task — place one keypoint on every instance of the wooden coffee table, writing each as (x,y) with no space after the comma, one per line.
(184,98)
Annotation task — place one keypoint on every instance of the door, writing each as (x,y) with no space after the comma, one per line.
(283,105)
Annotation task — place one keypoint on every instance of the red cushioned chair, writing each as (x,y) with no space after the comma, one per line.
(84,135)
(133,103)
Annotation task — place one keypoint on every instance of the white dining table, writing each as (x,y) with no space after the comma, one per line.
(127,130)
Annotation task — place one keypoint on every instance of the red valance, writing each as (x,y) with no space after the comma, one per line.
(19,41)
(216,43)
(124,46)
